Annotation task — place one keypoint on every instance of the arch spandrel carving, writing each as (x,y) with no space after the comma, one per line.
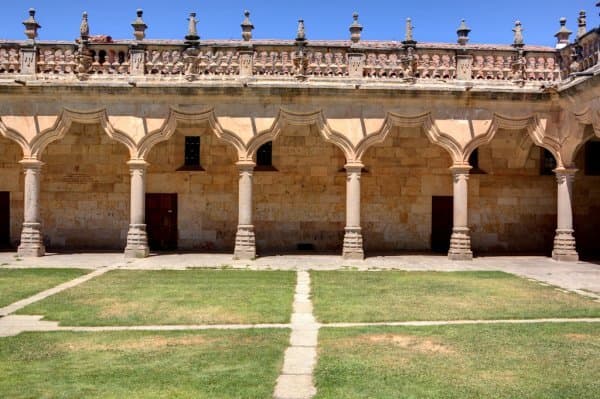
(287,118)
(169,126)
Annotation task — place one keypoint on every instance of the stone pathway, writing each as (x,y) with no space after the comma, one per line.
(296,379)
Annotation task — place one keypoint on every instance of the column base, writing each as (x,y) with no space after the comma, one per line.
(460,245)
(353,244)
(245,243)
(32,241)
(137,242)
(564,247)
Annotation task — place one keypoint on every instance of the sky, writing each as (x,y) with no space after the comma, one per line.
(434,20)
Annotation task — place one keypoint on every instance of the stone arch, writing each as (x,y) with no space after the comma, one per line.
(424,121)
(288,118)
(536,134)
(64,122)
(176,116)
(16,137)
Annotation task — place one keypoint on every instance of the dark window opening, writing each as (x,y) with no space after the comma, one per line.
(192,154)
(592,158)
(548,163)
(474,162)
(102,57)
(264,157)
(121,57)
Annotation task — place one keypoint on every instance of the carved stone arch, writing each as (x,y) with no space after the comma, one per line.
(536,131)
(287,118)
(17,137)
(169,127)
(425,121)
(64,122)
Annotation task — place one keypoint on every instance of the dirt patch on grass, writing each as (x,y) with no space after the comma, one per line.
(578,337)
(144,343)
(408,342)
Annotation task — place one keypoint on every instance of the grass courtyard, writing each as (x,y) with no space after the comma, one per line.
(551,361)
(215,364)
(542,360)
(181,297)
(17,284)
(350,296)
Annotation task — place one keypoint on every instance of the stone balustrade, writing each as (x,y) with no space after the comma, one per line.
(376,60)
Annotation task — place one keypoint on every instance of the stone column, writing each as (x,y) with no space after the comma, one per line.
(460,242)
(353,242)
(137,239)
(32,239)
(564,242)
(245,242)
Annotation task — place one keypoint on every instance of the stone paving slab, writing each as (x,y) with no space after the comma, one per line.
(295,387)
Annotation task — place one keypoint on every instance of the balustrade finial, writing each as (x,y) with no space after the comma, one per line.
(518,35)
(563,34)
(192,34)
(84,28)
(463,33)
(31,25)
(247,27)
(355,29)
(581,24)
(139,26)
(409,31)
(301,34)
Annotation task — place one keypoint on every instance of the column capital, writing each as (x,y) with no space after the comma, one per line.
(461,169)
(137,164)
(31,163)
(354,167)
(565,171)
(246,166)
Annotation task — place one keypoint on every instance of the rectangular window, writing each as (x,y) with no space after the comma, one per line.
(592,158)
(547,163)
(264,155)
(474,162)
(192,151)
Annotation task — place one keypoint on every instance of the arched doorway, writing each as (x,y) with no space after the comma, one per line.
(11,193)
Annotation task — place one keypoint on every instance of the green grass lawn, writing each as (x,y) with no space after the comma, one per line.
(503,361)
(348,296)
(212,364)
(131,297)
(17,284)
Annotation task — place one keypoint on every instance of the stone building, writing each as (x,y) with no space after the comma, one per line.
(283,145)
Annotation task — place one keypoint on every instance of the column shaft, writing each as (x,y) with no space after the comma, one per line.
(137,238)
(353,242)
(564,241)
(245,241)
(460,242)
(32,241)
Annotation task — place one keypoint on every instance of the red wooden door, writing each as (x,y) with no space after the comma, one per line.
(161,221)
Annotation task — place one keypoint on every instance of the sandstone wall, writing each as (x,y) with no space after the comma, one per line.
(85,191)
(586,193)
(404,172)
(11,180)
(512,207)
(304,201)
(207,200)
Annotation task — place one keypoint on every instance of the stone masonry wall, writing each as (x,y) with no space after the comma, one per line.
(207,200)
(11,180)
(512,208)
(85,191)
(586,208)
(304,201)
(404,172)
